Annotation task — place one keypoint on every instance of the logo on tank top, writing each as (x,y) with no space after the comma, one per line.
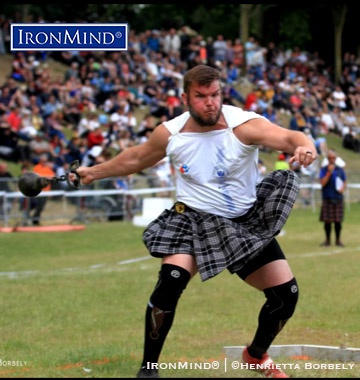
(220,171)
(184,171)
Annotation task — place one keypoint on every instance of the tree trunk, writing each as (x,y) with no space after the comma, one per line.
(339,14)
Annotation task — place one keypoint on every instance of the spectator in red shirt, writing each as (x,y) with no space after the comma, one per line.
(95,137)
(14,118)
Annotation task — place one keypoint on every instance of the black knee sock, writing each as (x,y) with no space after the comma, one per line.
(337,231)
(327,227)
(279,307)
(157,325)
(160,311)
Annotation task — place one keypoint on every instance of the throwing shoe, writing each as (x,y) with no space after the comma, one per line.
(149,373)
(265,365)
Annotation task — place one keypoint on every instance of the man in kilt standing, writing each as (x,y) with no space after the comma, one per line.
(333,184)
(222,218)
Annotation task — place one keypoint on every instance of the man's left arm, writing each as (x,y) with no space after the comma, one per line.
(263,132)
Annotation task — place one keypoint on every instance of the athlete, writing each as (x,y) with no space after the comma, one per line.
(223,218)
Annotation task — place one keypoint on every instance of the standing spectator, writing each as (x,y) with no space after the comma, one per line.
(220,47)
(238,51)
(172,42)
(44,169)
(5,178)
(333,184)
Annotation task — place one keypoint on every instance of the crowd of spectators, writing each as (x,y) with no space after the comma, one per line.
(91,112)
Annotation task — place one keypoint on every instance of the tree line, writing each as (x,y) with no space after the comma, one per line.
(328,29)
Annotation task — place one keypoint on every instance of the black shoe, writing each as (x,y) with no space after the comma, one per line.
(339,244)
(325,244)
(149,373)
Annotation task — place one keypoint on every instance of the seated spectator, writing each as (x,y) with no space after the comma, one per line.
(173,104)
(351,140)
(271,114)
(54,125)
(350,121)
(326,121)
(40,145)
(297,121)
(280,100)
(262,170)
(10,149)
(263,102)
(74,150)
(320,142)
(337,98)
(95,137)
(281,163)
(14,117)
(91,155)
(296,100)
(230,94)
(88,122)
(338,117)
(123,140)
(251,102)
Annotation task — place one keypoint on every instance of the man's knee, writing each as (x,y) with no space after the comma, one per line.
(171,283)
(282,299)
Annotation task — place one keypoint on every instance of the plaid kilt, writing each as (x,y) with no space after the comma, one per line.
(220,243)
(332,211)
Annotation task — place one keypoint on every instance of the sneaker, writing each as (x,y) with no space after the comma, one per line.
(339,244)
(265,365)
(149,373)
(325,244)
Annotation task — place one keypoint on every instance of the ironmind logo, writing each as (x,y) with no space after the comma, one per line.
(49,37)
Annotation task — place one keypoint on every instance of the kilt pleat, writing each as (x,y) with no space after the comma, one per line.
(220,243)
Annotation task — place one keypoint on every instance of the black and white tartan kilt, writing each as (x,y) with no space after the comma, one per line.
(219,243)
(332,211)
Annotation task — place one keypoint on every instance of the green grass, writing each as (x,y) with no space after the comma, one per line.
(73,303)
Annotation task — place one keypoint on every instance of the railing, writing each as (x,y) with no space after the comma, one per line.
(85,206)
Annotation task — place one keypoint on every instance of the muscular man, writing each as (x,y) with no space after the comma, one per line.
(222,218)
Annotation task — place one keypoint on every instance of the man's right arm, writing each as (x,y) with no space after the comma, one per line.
(130,161)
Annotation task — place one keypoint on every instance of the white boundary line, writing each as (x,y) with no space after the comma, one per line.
(344,354)
(110,267)
(91,268)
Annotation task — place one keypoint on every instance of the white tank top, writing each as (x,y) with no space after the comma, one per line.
(215,172)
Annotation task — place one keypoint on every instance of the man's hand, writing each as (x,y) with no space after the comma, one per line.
(304,156)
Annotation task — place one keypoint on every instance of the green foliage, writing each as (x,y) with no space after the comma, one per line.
(294,29)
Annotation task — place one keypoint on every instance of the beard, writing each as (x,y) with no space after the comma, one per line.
(208,121)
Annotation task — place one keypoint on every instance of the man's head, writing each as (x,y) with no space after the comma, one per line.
(203,95)
(201,75)
(331,156)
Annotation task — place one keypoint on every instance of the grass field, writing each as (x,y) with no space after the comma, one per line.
(73,303)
